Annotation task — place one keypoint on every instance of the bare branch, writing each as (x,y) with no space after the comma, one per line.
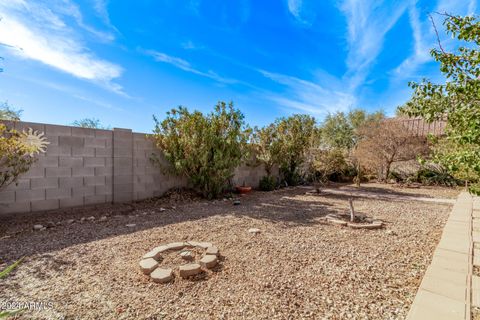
(436,32)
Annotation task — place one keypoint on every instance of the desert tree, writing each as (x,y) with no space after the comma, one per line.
(386,142)
(457,100)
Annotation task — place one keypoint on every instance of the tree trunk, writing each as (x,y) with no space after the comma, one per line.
(387,170)
(352,210)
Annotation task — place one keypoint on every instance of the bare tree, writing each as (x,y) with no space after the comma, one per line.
(386,142)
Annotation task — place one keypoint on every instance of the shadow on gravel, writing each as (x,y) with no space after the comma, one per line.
(17,238)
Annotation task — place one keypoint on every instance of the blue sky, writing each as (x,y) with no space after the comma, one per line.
(122,61)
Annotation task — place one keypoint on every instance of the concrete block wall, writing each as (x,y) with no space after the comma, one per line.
(91,166)
(76,170)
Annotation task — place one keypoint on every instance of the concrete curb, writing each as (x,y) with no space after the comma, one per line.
(445,291)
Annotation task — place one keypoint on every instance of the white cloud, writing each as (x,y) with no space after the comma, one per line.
(423,38)
(185,66)
(36,32)
(302,11)
(310,97)
(368,23)
(101,9)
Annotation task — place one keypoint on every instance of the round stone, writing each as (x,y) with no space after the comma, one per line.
(208,261)
(212,250)
(191,269)
(155,252)
(160,275)
(254,230)
(148,265)
(37,227)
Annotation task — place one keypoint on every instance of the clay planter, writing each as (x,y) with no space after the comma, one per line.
(243,190)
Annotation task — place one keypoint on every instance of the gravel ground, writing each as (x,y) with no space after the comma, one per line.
(296,268)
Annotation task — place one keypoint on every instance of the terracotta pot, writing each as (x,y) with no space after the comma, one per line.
(244,190)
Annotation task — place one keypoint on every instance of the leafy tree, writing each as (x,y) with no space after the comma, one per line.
(324,163)
(457,100)
(204,148)
(295,136)
(387,142)
(340,130)
(8,113)
(91,123)
(265,146)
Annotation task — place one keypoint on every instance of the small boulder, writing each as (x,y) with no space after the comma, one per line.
(148,265)
(208,261)
(162,209)
(70,221)
(38,227)
(103,218)
(188,270)
(131,225)
(236,202)
(254,230)
(91,218)
(160,275)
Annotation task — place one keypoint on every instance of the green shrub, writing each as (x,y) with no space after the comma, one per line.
(295,136)
(436,177)
(204,148)
(394,175)
(267,183)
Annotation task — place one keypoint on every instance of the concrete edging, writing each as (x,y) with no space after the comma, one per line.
(445,290)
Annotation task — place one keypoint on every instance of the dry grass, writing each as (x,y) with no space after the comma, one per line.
(298,267)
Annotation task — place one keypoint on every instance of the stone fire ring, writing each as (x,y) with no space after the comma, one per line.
(150,263)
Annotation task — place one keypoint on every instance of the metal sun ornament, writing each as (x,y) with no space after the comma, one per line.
(35,141)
